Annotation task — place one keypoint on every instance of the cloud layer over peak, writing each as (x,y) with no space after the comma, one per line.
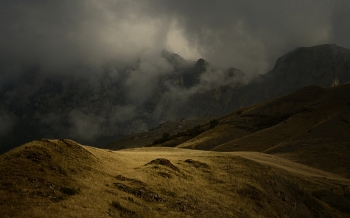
(248,35)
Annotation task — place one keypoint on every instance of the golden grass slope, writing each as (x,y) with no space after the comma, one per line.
(60,178)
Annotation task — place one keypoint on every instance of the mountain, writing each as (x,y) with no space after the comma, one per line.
(61,178)
(97,105)
(285,157)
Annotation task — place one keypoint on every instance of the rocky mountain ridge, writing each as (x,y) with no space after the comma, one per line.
(96,111)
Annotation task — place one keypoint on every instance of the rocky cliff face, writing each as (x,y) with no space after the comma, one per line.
(323,65)
(320,65)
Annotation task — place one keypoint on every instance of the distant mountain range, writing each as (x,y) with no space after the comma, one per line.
(120,101)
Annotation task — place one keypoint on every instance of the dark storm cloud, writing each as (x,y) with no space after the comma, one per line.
(57,34)
(340,21)
(251,34)
(248,34)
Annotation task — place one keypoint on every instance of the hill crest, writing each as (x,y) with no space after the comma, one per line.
(162,182)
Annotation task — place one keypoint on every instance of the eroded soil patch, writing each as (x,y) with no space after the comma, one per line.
(132,181)
(197,164)
(142,192)
(164,162)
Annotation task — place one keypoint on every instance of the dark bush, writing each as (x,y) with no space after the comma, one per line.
(195,131)
(190,132)
(303,109)
(69,191)
(166,137)
(270,121)
(213,123)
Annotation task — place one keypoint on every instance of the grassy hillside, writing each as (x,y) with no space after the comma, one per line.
(311,126)
(60,178)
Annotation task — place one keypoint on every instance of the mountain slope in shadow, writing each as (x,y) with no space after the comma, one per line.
(310,126)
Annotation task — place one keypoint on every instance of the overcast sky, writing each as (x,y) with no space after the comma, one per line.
(246,34)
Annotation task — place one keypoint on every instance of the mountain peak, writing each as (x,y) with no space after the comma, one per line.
(201,62)
(321,63)
(173,58)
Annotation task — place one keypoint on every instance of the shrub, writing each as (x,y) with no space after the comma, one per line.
(269,121)
(69,191)
(165,138)
(213,123)
(195,131)
(166,135)
(190,132)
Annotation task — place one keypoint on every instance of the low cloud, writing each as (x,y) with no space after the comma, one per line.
(143,81)
(7,121)
(85,127)
(248,35)
(122,114)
